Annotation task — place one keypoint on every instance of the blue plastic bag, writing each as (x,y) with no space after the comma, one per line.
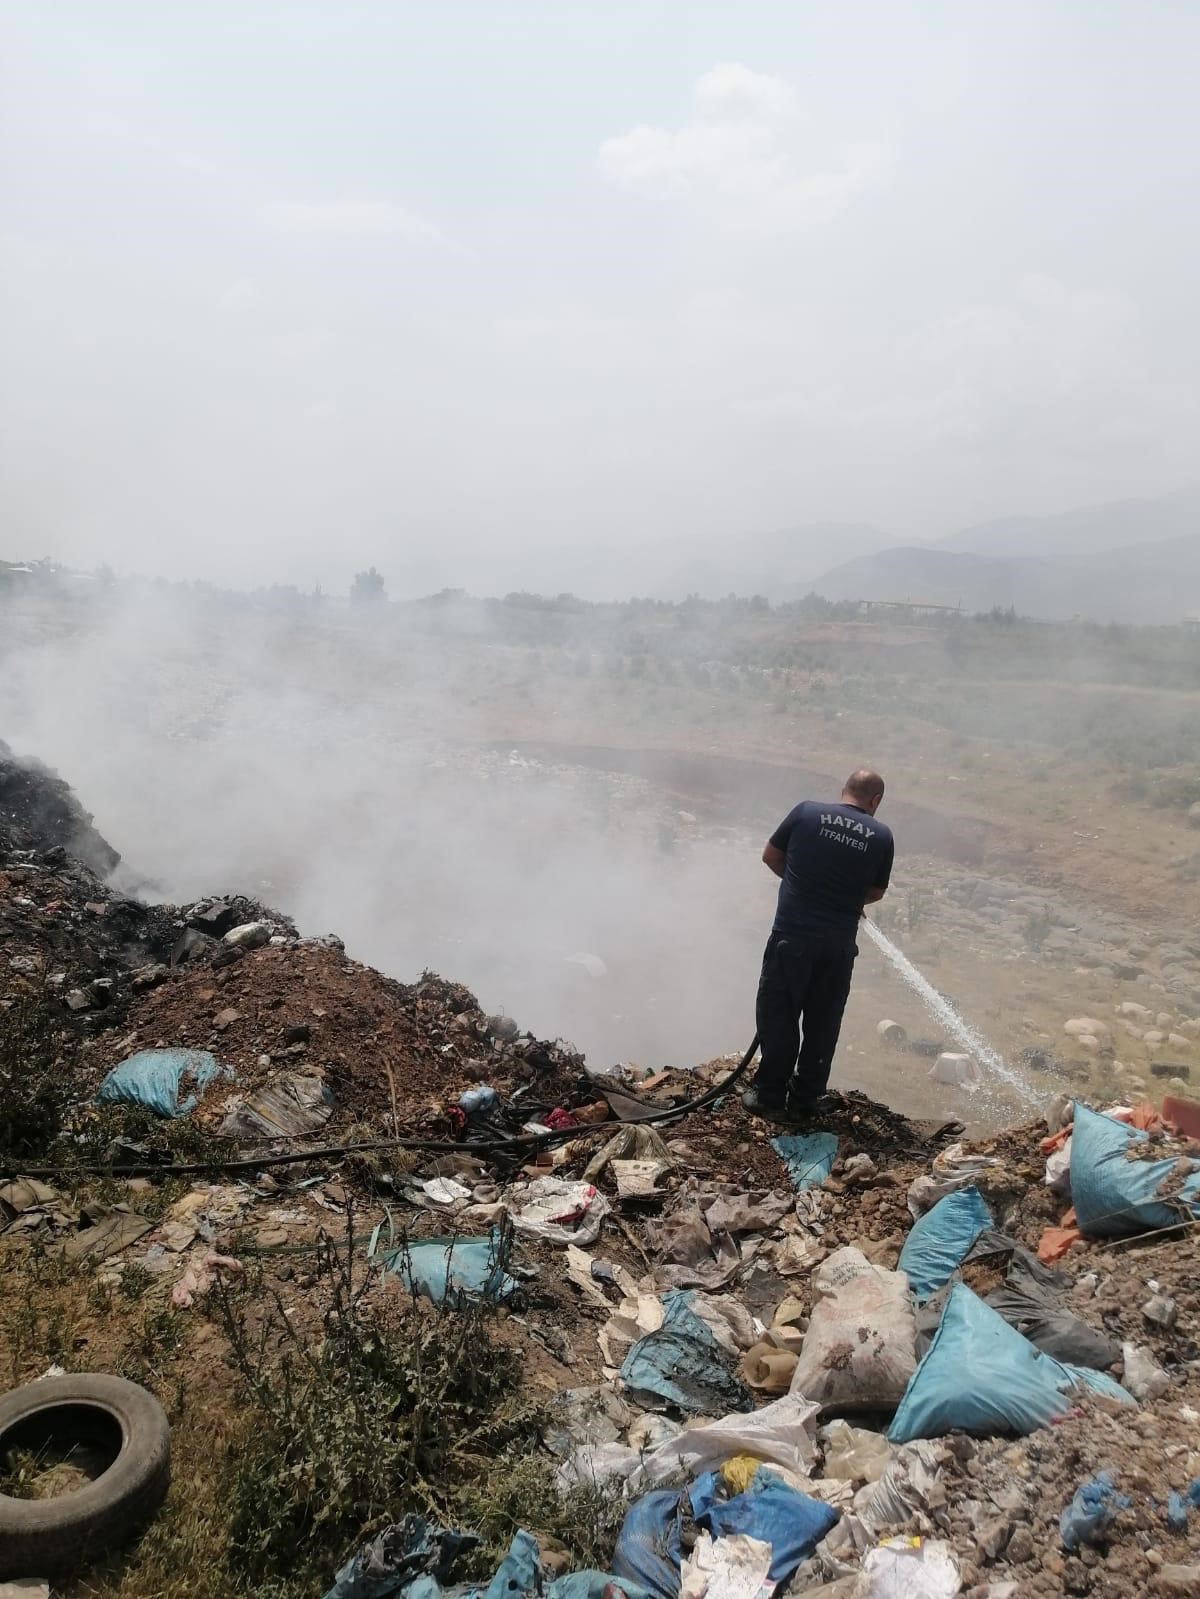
(648,1546)
(1086,1518)
(809,1157)
(442,1268)
(771,1511)
(682,1365)
(520,1572)
(1113,1195)
(592,1585)
(153,1078)
(941,1241)
(981,1376)
(409,1558)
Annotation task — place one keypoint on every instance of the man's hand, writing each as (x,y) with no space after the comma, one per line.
(775,859)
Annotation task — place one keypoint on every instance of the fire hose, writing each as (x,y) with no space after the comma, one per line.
(518,1144)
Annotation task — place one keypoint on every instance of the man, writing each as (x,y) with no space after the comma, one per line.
(833,860)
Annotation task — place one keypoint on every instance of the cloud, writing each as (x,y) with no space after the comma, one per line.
(373,219)
(239,296)
(740,149)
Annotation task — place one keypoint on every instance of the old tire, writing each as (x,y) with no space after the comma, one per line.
(119,1424)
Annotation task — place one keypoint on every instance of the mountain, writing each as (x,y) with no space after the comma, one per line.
(1147,582)
(1118,525)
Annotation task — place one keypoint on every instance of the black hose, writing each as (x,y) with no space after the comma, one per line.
(519,1143)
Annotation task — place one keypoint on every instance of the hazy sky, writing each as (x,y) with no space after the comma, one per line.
(291,287)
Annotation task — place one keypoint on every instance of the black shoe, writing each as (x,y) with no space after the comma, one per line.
(758,1105)
(806,1109)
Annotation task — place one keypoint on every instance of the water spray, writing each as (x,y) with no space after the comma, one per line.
(944,1012)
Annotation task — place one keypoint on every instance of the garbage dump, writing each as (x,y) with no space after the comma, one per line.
(434,1310)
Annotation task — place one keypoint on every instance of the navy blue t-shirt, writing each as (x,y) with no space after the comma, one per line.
(835,853)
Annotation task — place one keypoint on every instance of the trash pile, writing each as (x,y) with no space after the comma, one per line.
(867,1357)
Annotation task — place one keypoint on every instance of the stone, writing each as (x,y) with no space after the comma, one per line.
(1020,1546)
(1177,1579)
(226,1018)
(1086,1027)
(250,935)
(1160,1311)
(77,1000)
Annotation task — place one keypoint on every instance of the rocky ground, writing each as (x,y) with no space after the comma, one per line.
(120,1250)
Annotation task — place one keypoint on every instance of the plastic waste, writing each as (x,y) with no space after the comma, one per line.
(952,1169)
(790,1522)
(854,1453)
(559,1211)
(391,1563)
(1113,1195)
(286,1109)
(593,1585)
(781,1434)
(726,1568)
(937,1244)
(809,1157)
(478,1101)
(682,1365)
(910,1568)
(861,1346)
(1028,1303)
(906,1488)
(520,1572)
(648,1546)
(1094,1506)
(981,1376)
(155,1079)
(441,1268)
(1144,1377)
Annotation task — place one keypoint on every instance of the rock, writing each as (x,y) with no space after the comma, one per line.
(859,1169)
(1177,1579)
(1143,1377)
(1164,1019)
(250,935)
(215,919)
(226,1018)
(892,1033)
(300,1034)
(1129,1007)
(1020,1546)
(77,1000)
(1086,1027)
(993,1537)
(1154,1037)
(1160,1311)
(1178,1041)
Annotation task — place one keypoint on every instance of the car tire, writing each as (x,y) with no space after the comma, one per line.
(46,1537)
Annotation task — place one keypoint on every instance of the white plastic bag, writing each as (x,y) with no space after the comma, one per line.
(559,1211)
(910,1568)
(861,1346)
(734,1567)
(780,1434)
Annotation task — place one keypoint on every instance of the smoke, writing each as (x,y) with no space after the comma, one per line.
(362,777)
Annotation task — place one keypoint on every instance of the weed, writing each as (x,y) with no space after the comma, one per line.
(33,1077)
(395,1408)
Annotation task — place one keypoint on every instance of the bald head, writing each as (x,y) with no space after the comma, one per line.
(863,788)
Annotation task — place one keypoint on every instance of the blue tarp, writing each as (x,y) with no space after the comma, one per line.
(682,1365)
(648,1546)
(1113,1195)
(981,1376)
(446,1267)
(940,1242)
(153,1078)
(771,1511)
(809,1157)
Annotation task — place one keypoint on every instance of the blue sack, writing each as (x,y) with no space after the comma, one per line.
(1086,1518)
(809,1157)
(1113,1195)
(592,1585)
(648,1546)
(520,1572)
(683,1365)
(448,1268)
(981,1376)
(940,1242)
(153,1078)
(771,1511)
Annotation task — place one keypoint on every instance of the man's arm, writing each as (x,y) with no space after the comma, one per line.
(874,895)
(775,858)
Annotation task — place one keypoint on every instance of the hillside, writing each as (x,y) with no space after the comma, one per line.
(1152,583)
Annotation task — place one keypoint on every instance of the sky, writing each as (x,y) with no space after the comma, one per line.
(287,289)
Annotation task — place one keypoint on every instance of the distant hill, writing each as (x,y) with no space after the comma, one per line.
(1149,582)
(1119,525)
